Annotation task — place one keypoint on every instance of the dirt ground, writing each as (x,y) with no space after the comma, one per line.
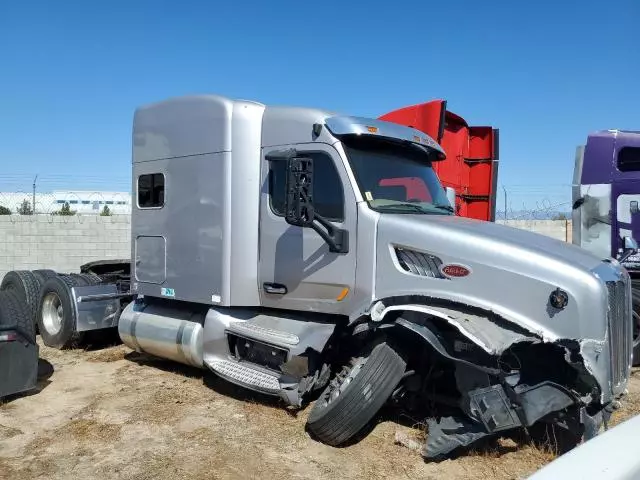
(113,413)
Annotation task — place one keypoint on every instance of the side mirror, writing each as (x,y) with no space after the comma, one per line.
(630,247)
(299,192)
(298,204)
(451,196)
(630,243)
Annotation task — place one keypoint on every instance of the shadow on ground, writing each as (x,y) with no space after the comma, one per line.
(209,379)
(45,370)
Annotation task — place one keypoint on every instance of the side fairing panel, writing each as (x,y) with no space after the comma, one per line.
(594,220)
(185,236)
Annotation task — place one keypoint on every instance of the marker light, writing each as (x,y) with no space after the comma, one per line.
(8,337)
(343,294)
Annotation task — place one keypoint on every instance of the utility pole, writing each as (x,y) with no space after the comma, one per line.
(33,200)
(505,202)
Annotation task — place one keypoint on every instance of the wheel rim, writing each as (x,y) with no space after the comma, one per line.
(52,313)
(341,381)
(636,329)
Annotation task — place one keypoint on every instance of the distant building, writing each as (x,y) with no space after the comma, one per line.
(83,202)
(93,202)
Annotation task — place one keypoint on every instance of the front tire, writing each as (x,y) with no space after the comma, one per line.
(355,395)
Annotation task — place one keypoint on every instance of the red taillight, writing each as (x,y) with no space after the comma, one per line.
(8,336)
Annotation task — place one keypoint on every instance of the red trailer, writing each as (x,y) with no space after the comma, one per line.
(471,167)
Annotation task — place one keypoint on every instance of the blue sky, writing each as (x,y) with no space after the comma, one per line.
(546,73)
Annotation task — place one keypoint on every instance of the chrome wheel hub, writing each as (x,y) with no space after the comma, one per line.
(52,313)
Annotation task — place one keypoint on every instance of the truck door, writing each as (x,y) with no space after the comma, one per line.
(297,270)
(625,193)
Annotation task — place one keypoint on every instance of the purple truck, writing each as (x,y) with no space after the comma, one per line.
(606,213)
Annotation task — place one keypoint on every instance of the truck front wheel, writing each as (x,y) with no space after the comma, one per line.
(355,395)
(56,315)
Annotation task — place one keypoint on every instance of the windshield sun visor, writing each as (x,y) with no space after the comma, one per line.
(347,126)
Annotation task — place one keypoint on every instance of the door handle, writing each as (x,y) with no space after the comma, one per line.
(274,288)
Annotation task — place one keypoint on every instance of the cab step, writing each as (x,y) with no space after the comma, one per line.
(246,376)
(264,334)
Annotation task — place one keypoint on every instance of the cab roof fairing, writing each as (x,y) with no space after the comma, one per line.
(341,126)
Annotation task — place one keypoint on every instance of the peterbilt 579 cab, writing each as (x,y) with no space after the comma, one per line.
(271,246)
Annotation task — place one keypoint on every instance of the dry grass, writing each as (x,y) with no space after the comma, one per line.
(8,432)
(112,354)
(113,413)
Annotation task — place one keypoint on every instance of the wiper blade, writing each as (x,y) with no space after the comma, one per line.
(412,206)
(448,208)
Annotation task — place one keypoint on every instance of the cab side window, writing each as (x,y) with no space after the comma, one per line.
(328,195)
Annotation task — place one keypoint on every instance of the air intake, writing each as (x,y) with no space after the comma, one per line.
(418,263)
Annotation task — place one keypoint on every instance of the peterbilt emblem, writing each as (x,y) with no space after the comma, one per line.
(455,270)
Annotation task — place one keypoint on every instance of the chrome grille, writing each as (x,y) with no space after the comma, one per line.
(419,263)
(620,331)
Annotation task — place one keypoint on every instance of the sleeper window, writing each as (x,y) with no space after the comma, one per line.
(629,159)
(328,199)
(151,190)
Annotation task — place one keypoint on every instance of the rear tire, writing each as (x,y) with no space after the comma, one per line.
(15,315)
(43,275)
(85,279)
(26,287)
(56,314)
(355,395)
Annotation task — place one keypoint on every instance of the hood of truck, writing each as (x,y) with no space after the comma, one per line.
(512,272)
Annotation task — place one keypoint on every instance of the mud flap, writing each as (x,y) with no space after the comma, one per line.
(18,367)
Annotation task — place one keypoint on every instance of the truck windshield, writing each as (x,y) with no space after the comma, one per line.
(395,179)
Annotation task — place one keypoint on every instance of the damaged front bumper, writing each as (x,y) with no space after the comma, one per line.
(492,411)
(568,383)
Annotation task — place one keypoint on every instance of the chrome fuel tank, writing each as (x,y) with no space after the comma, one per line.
(166,332)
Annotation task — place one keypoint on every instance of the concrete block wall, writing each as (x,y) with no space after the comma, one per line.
(558,229)
(65,243)
(61,243)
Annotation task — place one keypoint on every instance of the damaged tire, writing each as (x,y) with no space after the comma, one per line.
(355,395)
(56,315)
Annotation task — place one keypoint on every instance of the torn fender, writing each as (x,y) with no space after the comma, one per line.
(483,331)
(494,399)
(494,336)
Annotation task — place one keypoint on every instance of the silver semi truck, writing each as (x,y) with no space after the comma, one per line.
(272,246)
